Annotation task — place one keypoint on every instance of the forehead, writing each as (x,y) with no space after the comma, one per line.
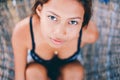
(66,7)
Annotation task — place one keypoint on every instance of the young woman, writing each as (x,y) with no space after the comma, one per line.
(46,44)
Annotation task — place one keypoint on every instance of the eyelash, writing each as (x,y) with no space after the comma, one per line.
(76,22)
(55,19)
(51,18)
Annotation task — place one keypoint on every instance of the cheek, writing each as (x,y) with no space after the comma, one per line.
(45,29)
(45,25)
(73,34)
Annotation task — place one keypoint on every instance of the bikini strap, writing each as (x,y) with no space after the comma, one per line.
(32,34)
(79,40)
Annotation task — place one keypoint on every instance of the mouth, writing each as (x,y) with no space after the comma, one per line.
(56,41)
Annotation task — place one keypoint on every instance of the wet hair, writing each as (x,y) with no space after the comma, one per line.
(87,4)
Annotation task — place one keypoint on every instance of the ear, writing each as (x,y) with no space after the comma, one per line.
(38,10)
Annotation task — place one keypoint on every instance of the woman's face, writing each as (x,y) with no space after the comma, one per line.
(61,21)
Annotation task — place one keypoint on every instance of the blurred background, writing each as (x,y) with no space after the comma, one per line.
(101,60)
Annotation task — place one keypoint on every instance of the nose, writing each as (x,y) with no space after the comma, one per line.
(60,29)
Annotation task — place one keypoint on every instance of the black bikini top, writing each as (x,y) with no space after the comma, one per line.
(55,58)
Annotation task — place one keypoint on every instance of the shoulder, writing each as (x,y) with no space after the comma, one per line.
(21,31)
(93,31)
(90,33)
(23,24)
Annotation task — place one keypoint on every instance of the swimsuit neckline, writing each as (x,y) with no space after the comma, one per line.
(54,57)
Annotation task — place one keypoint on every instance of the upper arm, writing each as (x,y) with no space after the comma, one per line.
(90,34)
(20,51)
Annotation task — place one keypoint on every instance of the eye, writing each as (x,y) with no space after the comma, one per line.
(52,18)
(73,22)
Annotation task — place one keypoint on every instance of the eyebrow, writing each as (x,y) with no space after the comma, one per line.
(53,13)
(59,16)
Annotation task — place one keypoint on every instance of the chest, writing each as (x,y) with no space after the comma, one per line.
(46,52)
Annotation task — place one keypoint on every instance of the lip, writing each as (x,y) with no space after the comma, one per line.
(56,41)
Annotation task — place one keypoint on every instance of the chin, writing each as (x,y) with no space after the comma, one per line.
(56,46)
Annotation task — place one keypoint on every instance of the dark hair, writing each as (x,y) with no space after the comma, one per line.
(87,4)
